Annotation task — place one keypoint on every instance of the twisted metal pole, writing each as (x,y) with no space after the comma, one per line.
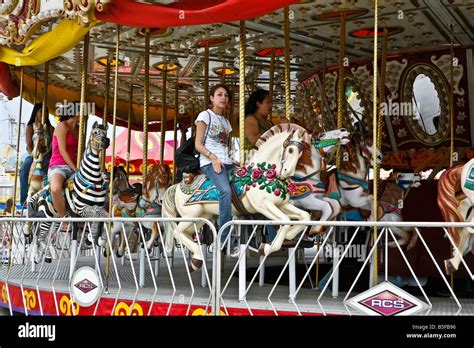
(45,94)
(287,65)
(163,114)
(374,135)
(106,104)
(112,159)
(83,118)
(129,125)
(146,95)
(271,81)
(175,123)
(340,85)
(242,45)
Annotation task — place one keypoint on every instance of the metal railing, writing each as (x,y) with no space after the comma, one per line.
(338,255)
(115,278)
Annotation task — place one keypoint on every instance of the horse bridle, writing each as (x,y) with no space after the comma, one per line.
(288,142)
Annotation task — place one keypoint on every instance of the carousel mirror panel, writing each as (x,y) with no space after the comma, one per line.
(425,104)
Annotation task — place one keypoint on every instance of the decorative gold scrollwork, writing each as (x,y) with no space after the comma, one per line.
(123,309)
(201,312)
(65,306)
(30,299)
(4,294)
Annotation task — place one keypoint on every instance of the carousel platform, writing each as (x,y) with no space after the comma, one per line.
(46,292)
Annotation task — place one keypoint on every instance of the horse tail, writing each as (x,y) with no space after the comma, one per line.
(449,184)
(168,210)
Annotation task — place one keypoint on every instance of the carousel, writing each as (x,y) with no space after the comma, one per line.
(365,174)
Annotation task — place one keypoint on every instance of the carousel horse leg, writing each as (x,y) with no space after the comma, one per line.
(184,234)
(273,213)
(452,264)
(295,214)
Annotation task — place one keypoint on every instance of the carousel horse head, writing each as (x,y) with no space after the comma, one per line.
(287,146)
(158,178)
(295,147)
(40,145)
(164,175)
(98,139)
(325,142)
(121,180)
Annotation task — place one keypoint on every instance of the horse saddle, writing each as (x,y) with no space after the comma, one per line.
(202,190)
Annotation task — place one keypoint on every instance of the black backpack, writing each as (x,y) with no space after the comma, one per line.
(187,158)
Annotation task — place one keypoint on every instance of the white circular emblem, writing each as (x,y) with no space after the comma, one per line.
(85,286)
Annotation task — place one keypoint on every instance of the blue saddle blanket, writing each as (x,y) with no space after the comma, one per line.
(208,192)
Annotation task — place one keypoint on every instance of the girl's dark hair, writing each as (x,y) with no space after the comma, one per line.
(37,107)
(216,87)
(257,96)
(64,116)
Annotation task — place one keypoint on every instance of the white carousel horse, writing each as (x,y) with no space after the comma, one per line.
(391,205)
(309,193)
(352,178)
(455,200)
(36,174)
(261,185)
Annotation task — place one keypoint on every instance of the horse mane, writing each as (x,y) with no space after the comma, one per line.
(448,187)
(306,159)
(290,128)
(154,175)
(353,150)
(151,177)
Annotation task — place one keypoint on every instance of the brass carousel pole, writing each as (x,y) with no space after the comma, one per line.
(10,258)
(340,84)
(287,65)
(106,104)
(129,125)
(206,76)
(374,139)
(242,46)
(112,159)
(146,95)
(451,100)
(383,74)
(45,93)
(271,81)
(193,115)
(451,118)
(163,114)
(83,116)
(175,121)
(36,87)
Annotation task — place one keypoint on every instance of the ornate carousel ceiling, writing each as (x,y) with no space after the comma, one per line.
(186,27)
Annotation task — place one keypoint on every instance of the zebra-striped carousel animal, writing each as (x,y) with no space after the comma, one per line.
(85,193)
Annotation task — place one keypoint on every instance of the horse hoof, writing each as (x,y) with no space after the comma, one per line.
(194,265)
(117,254)
(48,260)
(261,250)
